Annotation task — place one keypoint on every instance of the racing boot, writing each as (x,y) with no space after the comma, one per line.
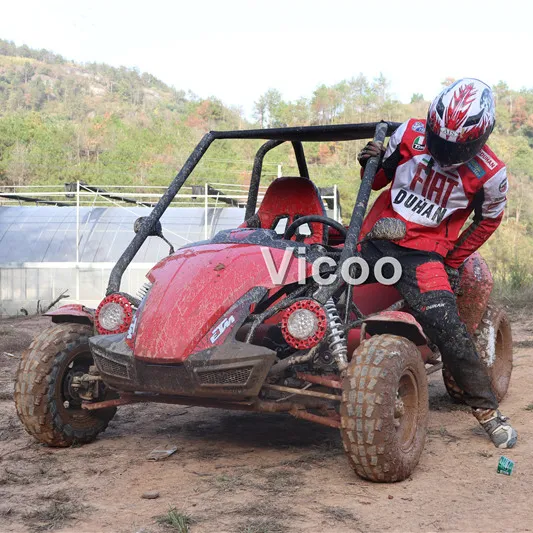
(495,424)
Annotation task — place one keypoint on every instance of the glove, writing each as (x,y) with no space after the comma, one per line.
(372,149)
(454,277)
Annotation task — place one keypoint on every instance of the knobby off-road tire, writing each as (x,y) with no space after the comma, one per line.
(42,387)
(384,408)
(494,343)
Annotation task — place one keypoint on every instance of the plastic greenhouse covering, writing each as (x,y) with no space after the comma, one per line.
(39,260)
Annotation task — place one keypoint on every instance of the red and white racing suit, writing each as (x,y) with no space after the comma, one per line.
(435,203)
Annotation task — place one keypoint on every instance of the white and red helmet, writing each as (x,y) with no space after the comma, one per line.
(460,121)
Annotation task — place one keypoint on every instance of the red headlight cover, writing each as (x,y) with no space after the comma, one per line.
(322,326)
(126,308)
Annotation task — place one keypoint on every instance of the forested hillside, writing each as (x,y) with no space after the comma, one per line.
(61,121)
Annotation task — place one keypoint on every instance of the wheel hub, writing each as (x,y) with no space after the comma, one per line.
(405,408)
(399,407)
(71,388)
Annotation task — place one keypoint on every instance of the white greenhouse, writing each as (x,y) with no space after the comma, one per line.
(46,250)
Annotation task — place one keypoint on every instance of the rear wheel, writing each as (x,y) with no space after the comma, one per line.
(384,408)
(47,404)
(494,343)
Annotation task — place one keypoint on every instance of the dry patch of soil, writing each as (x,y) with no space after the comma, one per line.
(251,473)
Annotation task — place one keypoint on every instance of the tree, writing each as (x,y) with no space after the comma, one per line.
(380,86)
(28,70)
(18,167)
(268,110)
(416,98)
(37,94)
(260,110)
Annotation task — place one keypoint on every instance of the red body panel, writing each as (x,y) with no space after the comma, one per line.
(374,297)
(192,289)
(396,323)
(403,324)
(73,310)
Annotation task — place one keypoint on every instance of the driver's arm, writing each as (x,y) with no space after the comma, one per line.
(391,158)
(491,201)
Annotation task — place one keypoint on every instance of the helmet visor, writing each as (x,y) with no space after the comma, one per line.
(448,153)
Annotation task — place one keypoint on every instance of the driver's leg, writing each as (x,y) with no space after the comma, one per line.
(426,289)
(424,285)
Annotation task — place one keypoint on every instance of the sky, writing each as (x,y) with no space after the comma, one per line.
(237,49)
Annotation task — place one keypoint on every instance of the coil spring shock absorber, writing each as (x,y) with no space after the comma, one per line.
(336,336)
(143,291)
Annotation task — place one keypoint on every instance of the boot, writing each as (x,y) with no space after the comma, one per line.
(495,424)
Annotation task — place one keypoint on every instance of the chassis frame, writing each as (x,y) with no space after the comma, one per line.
(274,136)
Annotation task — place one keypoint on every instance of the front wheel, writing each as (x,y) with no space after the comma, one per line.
(384,408)
(46,402)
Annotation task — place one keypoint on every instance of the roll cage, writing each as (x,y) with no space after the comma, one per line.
(274,137)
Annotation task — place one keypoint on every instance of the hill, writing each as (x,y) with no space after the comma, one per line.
(62,121)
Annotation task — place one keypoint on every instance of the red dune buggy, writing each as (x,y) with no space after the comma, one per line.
(213,328)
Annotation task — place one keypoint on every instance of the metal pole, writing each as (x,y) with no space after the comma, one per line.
(206,207)
(213,216)
(324,293)
(253,191)
(77,241)
(158,210)
(300,159)
(77,222)
(335,206)
(361,201)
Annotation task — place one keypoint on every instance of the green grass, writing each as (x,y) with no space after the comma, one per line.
(176,520)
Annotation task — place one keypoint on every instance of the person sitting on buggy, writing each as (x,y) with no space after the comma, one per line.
(439,171)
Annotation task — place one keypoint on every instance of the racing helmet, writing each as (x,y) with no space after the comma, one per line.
(459,122)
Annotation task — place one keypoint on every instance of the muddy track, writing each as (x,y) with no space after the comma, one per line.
(251,473)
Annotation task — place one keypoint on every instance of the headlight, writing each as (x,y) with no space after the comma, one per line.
(111,316)
(114,315)
(304,324)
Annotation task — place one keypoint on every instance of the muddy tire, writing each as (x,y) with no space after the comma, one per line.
(494,342)
(42,386)
(384,408)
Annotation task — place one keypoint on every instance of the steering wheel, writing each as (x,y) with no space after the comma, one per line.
(291,230)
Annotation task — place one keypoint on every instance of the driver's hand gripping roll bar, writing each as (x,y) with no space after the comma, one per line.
(361,203)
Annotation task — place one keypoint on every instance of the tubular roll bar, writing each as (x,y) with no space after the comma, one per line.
(255,180)
(133,247)
(274,136)
(356,222)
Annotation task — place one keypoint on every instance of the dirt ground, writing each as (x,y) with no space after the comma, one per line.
(251,473)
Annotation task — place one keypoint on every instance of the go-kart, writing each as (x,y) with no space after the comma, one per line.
(243,321)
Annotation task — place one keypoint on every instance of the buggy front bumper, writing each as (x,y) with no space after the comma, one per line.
(232,370)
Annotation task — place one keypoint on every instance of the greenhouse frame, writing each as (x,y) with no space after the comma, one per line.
(68,246)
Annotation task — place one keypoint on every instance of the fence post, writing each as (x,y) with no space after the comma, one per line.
(280,174)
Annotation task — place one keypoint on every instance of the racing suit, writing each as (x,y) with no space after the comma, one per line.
(434,203)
